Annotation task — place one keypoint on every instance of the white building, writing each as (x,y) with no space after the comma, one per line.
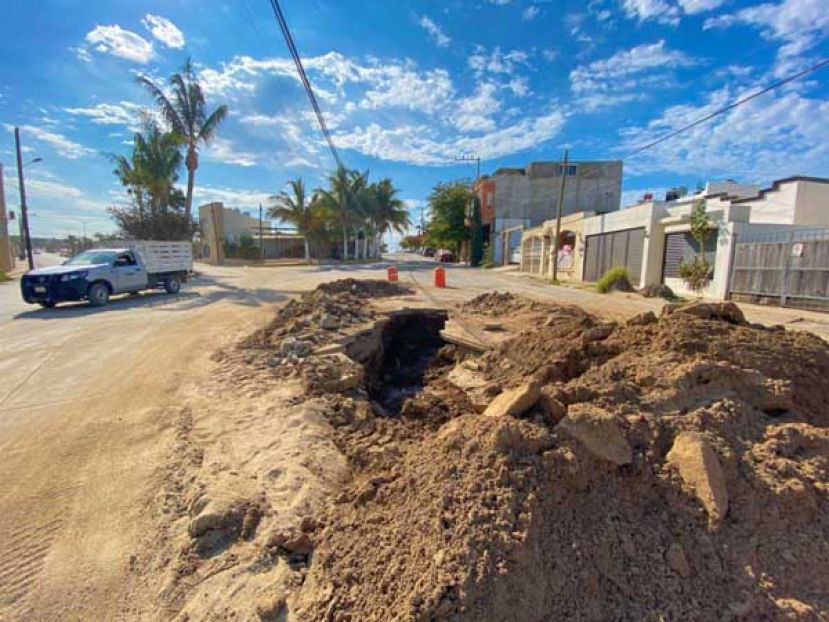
(652,238)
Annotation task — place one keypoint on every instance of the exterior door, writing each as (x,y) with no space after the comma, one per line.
(129,276)
(619,248)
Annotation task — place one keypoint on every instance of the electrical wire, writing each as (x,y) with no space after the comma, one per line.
(306,83)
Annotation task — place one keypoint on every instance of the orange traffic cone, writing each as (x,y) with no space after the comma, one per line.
(440,277)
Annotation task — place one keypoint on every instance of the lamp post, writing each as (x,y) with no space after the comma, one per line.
(24,218)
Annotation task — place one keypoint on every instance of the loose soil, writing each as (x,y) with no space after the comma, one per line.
(670,468)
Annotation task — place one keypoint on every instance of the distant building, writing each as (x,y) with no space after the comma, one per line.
(222,227)
(513,199)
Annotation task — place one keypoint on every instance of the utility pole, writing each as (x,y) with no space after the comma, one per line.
(477,160)
(261,244)
(558,216)
(24,218)
(471,158)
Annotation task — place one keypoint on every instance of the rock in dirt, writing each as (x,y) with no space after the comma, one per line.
(675,556)
(657,291)
(723,311)
(514,401)
(642,319)
(271,607)
(598,431)
(552,407)
(699,467)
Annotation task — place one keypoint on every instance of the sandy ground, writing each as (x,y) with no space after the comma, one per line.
(90,409)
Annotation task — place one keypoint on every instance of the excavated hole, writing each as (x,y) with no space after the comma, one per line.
(407,345)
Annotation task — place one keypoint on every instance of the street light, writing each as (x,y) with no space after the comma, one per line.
(24,217)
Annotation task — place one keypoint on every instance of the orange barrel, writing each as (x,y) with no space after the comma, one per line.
(392,274)
(440,277)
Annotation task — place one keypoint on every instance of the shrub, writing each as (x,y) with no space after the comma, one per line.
(4,276)
(695,273)
(489,258)
(616,278)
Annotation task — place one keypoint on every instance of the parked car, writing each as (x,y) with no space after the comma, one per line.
(444,256)
(96,274)
(515,256)
(428,252)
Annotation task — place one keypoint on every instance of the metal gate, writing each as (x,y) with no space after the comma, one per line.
(620,248)
(789,267)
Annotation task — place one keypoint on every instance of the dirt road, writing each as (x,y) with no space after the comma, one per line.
(84,415)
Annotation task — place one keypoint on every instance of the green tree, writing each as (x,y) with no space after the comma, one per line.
(344,201)
(185,111)
(696,273)
(149,174)
(390,213)
(447,225)
(297,209)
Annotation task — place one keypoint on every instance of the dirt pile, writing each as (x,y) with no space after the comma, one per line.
(303,325)
(671,468)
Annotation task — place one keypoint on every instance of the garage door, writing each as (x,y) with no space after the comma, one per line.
(620,248)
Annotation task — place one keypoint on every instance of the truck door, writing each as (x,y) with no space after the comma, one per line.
(129,275)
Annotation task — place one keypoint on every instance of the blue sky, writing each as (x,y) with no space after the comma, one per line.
(407,85)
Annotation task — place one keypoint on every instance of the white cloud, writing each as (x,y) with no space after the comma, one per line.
(530,13)
(549,54)
(119,42)
(497,61)
(164,30)
(519,86)
(62,145)
(231,197)
(660,10)
(799,24)
(623,76)
(222,150)
(123,113)
(474,114)
(769,137)
(435,31)
(418,144)
(400,86)
(699,6)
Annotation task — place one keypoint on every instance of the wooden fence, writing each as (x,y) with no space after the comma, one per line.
(790,268)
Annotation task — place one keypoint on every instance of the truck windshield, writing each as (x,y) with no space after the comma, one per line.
(92,257)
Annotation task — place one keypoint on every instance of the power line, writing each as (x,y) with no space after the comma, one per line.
(731,106)
(289,40)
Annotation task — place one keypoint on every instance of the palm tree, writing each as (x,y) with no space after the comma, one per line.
(343,199)
(296,210)
(391,212)
(186,114)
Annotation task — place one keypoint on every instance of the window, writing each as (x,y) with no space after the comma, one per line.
(125,259)
(572,170)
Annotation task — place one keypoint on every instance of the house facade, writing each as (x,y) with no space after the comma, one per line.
(221,226)
(652,238)
(514,199)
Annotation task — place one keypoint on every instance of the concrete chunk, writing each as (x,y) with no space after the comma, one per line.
(700,470)
(514,401)
(598,431)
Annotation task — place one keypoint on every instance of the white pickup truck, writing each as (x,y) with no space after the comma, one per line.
(96,274)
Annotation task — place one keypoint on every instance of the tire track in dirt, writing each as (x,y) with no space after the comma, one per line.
(25,543)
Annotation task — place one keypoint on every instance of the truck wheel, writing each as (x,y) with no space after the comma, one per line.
(172,285)
(46,304)
(98,295)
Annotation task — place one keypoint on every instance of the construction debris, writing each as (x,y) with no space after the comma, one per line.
(668,468)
